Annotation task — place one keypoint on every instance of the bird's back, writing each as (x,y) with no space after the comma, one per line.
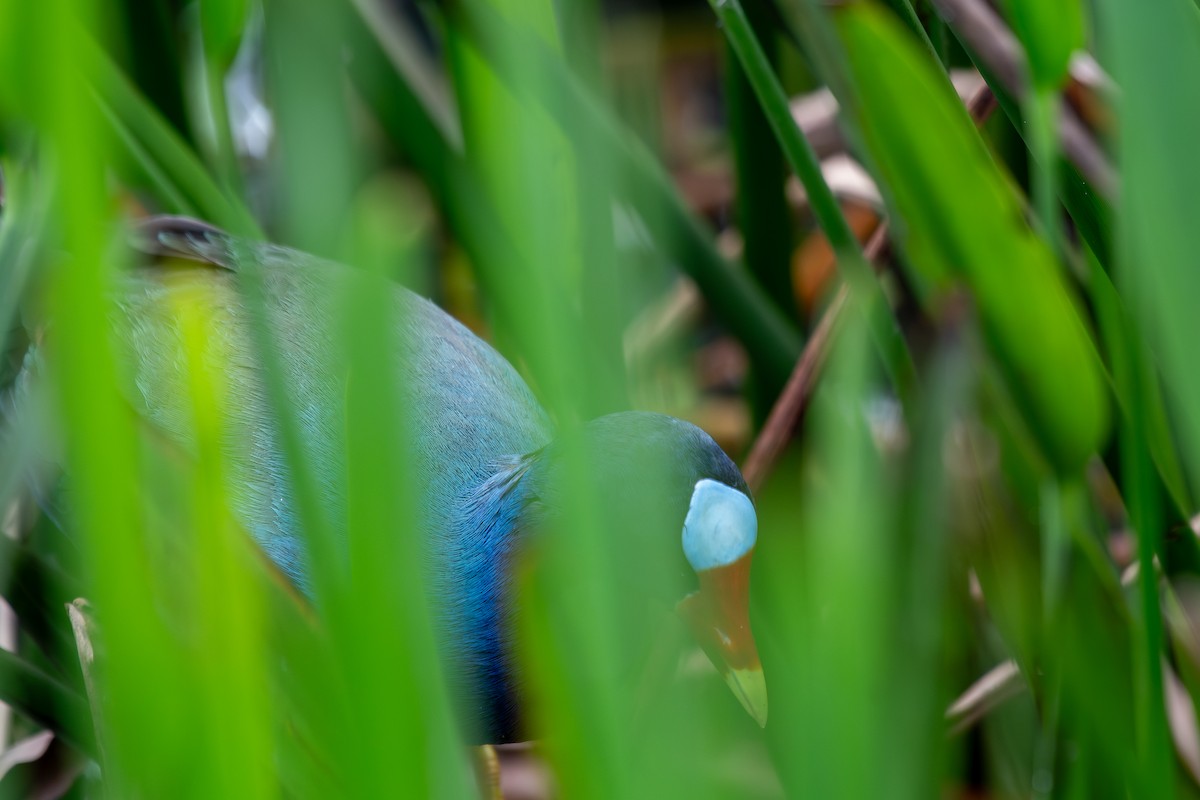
(467,407)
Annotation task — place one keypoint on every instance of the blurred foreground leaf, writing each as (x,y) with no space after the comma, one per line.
(959,220)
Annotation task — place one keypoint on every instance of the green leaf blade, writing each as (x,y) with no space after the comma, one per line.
(1051,31)
(960,221)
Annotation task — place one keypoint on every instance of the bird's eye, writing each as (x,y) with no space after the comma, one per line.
(720,527)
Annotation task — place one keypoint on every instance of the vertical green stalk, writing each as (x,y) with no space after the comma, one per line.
(604,283)
(316,168)
(528,169)
(140,678)
(1043,109)
(392,716)
(1050,33)
(1056,503)
(229,672)
(799,152)
(1145,515)
(220,30)
(1045,748)
(855,268)
(924,555)
(519,147)
(844,597)
(225,153)
(1055,546)
(382,629)
(1152,51)
(763,216)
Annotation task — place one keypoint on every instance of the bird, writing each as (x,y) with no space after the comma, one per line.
(488,458)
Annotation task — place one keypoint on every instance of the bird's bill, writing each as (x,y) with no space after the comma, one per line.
(719,616)
(749,686)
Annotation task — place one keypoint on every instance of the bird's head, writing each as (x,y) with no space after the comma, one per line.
(684,527)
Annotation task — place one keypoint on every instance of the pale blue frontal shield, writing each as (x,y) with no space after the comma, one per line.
(720,527)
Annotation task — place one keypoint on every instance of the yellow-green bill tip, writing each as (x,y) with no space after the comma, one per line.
(749,686)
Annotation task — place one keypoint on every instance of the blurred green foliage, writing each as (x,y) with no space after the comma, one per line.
(995,474)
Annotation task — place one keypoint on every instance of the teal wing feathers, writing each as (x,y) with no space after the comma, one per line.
(469,408)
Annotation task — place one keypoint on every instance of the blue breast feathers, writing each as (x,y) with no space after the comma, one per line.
(483,535)
(471,416)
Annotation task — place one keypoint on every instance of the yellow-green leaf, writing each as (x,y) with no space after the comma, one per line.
(960,221)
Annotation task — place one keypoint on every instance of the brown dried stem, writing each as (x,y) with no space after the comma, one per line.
(785,415)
